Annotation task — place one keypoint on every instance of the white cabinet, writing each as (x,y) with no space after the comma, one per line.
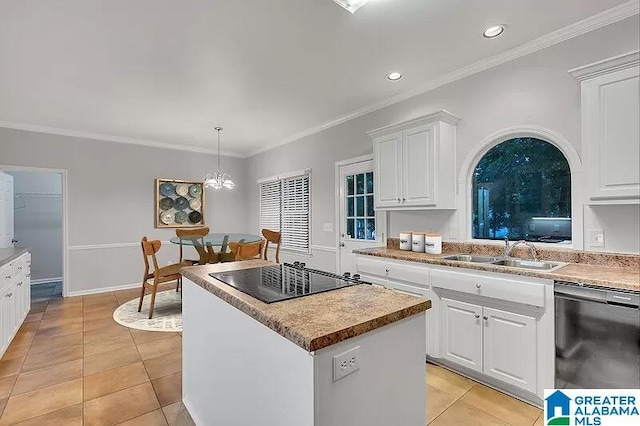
(415,163)
(423,293)
(462,333)
(15,298)
(510,347)
(610,95)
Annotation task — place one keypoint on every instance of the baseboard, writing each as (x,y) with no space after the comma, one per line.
(187,405)
(45,280)
(103,289)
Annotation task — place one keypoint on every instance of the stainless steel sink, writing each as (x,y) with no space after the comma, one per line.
(470,258)
(529,264)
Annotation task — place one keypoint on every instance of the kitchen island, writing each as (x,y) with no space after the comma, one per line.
(246,362)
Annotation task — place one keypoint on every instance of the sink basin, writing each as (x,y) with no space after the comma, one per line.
(470,258)
(529,264)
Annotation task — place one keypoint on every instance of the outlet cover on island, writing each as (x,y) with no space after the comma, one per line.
(328,227)
(596,238)
(346,363)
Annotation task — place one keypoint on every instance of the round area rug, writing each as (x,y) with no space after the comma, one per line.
(167,314)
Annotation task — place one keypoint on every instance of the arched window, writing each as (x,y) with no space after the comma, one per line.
(522,190)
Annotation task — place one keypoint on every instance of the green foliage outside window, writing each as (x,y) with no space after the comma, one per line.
(522,189)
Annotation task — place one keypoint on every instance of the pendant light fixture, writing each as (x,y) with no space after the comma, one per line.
(218,179)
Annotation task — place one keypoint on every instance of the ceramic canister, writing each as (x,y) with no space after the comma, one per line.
(417,239)
(405,240)
(433,243)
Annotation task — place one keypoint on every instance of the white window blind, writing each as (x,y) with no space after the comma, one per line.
(285,206)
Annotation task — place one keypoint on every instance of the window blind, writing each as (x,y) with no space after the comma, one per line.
(285,206)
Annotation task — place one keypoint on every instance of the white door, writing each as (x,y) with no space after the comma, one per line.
(419,167)
(510,348)
(423,293)
(462,333)
(360,225)
(387,151)
(6,210)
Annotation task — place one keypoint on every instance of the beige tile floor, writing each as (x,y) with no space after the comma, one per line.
(71,364)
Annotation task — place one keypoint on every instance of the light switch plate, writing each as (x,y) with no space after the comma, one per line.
(346,363)
(596,238)
(328,227)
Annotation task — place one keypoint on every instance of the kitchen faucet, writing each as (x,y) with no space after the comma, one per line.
(508,248)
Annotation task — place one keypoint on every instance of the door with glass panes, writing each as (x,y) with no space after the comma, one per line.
(360,225)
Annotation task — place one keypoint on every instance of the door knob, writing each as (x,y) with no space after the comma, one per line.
(477,316)
(341,244)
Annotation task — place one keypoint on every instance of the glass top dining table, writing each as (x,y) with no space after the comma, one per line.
(217,239)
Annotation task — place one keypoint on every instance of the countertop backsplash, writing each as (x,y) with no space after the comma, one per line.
(621,260)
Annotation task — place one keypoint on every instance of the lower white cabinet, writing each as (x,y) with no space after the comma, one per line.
(15,298)
(510,347)
(416,291)
(462,333)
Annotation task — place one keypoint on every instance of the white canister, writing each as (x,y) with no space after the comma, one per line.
(405,241)
(433,243)
(417,240)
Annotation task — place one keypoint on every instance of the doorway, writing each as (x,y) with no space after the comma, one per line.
(39,223)
(359,224)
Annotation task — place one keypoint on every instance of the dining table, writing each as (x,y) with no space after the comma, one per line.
(205,244)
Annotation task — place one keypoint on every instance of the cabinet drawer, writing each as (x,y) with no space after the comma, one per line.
(394,271)
(17,267)
(6,273)
(507,289)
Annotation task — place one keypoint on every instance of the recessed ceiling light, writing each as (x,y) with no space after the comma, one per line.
(494,31)
(351,5)
(394,76)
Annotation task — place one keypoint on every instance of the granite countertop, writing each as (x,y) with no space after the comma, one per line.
(626,278)
(9,254)
(319,320)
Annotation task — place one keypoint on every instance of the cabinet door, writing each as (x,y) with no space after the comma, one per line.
(611,111)
(461,333)
(423,293)
(510,348)
(419,167)
(387,152)
(9,321)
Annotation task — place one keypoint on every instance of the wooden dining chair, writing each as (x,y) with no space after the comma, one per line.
(159,275)
(246,251)
(271,237)
(206,254)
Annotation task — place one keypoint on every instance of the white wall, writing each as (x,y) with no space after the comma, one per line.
(111,199)
(38,221)
(532,90)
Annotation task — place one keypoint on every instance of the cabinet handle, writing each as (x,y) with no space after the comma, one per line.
(8,277)
(404,199)
(386,270)
(485,318)
(478,285)
(477,316)
(28,275)
(398,199)
(8,295)
(19,268)
(20,284)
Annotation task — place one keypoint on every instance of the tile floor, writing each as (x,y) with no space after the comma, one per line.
(71,364)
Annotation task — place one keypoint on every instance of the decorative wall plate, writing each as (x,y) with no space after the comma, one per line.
(195,217)
(182,189)
(181,217)
(167,218)
(167,189)
(175,200)
(195,191)
(181,203)
(166,203)
(195,204)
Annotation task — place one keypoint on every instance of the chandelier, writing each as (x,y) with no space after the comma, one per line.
(218,179)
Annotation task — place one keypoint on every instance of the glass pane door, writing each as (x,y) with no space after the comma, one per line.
(361,217)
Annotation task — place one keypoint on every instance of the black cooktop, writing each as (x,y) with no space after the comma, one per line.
(274,283)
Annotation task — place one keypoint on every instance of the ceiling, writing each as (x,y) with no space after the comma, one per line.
(169,71)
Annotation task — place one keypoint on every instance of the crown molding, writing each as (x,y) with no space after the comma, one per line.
(110,138)
(442,115)
(591,23)
(616,63)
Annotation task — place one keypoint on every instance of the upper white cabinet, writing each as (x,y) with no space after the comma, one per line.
(610,93)
(415,163)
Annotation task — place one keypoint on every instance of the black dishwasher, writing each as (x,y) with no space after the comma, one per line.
(597,337)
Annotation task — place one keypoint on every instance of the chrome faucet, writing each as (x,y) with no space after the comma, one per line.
(508,248)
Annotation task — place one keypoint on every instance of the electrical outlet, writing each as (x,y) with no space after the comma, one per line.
(346,363)
(328,227)
(596,238)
